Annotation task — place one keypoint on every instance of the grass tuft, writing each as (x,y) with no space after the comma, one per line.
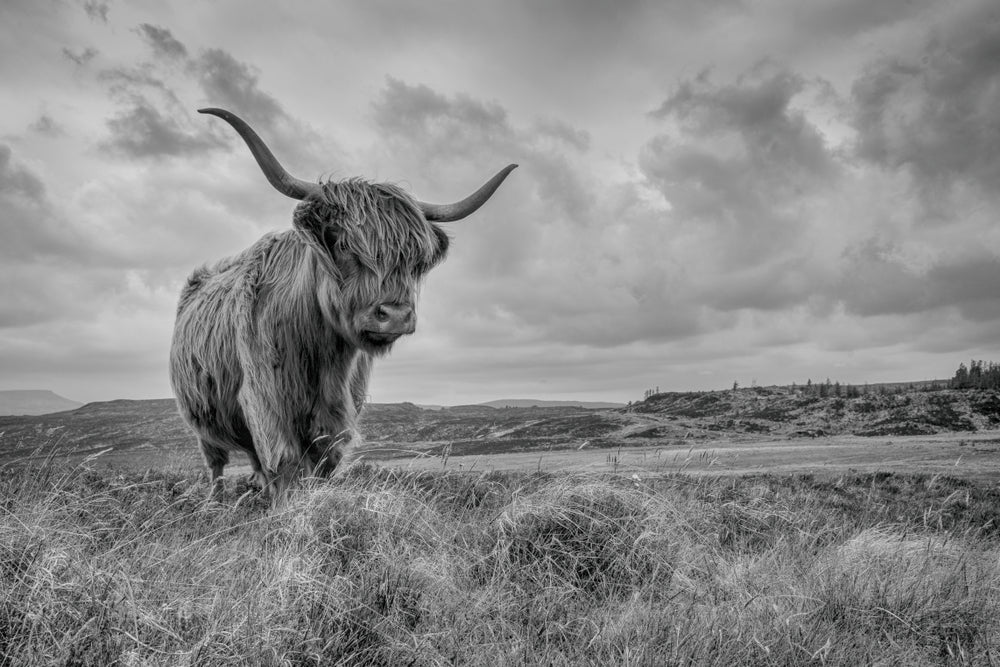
(593,537)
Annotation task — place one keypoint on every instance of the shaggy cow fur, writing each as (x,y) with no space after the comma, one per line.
(269,355)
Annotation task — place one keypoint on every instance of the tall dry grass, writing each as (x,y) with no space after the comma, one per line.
(397,568)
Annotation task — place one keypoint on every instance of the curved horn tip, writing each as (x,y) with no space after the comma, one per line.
(215,111)
(276,175)
(469,205)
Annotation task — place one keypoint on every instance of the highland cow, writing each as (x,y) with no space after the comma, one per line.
(272,348)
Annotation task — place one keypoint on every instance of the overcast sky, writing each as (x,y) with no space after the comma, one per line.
(709,192)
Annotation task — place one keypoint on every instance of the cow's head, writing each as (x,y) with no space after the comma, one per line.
(374,243)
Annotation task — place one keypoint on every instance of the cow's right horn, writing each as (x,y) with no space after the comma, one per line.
(282,181)
(460,209)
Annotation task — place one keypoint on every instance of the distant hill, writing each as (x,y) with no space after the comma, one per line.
(534,403)
(34,402)
(788,411)
(151,433)
(147,431)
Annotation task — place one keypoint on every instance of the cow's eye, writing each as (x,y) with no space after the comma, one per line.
(330,239)
(349,264)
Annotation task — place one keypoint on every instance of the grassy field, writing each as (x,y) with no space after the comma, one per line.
(973,455)
(967,455)
(405,567)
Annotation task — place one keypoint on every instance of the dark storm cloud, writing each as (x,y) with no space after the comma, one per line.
(936,113)
(162,41)
(81,58)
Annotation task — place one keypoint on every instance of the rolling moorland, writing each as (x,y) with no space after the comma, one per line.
(151,434)
(110,553)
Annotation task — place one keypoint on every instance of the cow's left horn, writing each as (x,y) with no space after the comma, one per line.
(282,181)
(460,209)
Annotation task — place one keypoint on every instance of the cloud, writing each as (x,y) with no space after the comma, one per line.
(232,84)
(17,181)
(97,10)
(82,58)
(878,279)
(141,131)
(934,112)
(47,126)
(447,128)
(447,134)
(162,41)
(152,121)
(781,220)
(763,216)
(557,129)
(743,166)
(846,18)
(126,83)
(45,293)
(757,110)
(560,257)
(31,227)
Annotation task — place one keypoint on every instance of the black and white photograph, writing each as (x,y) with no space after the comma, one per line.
(364,332)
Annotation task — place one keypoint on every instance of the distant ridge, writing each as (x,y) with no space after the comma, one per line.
(534,403)
(34,402)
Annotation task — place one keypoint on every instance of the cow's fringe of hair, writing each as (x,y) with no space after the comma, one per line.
(379,223)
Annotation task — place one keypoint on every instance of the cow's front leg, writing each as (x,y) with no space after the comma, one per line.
(278,455)
(335,438)
(334,427)
(332,454)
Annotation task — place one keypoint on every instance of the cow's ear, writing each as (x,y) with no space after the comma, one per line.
(314,218)
(443,241)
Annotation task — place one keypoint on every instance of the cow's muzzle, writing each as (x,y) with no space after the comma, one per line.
(387,322)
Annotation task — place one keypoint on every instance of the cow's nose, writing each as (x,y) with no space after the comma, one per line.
(397,318)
